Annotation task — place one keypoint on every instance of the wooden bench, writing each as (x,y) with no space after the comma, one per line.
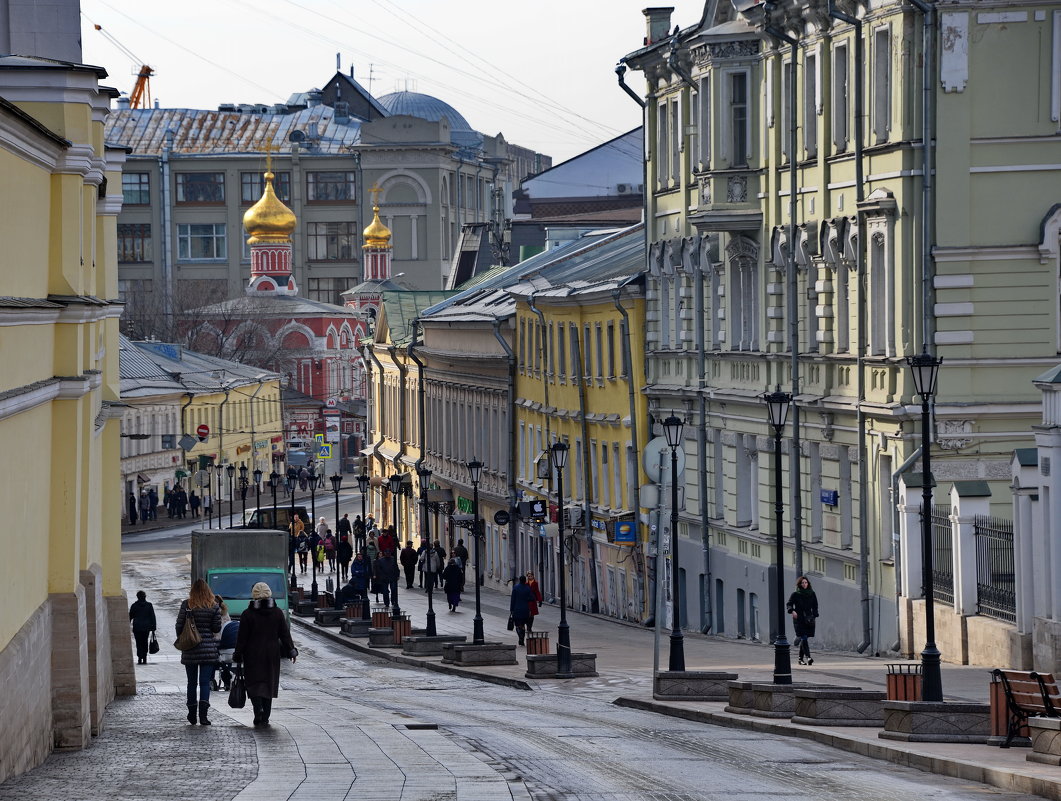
(1028,694)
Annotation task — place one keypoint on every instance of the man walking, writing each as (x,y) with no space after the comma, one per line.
(408,559)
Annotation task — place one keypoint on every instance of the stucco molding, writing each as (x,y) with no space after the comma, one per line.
(22,399)
(79,159)
(17,138)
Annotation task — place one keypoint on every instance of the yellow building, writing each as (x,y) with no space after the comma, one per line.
(580,369)
(65,649)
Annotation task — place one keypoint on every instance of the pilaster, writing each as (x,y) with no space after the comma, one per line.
(968,499)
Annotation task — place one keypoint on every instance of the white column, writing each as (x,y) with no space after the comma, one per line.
(967,500)
(910,561)
(1046,552)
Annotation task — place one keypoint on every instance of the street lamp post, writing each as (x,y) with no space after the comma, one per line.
(210,486)
(777,404)
(429,578)
(563,636)
(313,492)
(244,485)
(475,467)
(672,428)
(362,485)
(220,492)
(396,489)
(291,483)
(337,483)
(258,492)
(925,370)
(231,470)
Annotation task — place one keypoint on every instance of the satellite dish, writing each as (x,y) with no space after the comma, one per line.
(297,136)
(656,455)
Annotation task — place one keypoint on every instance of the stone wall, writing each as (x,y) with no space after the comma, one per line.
(25,672)
(121,653)
(97,629)
(68,640)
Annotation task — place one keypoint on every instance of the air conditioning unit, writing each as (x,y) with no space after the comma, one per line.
(624,189)
(574,518)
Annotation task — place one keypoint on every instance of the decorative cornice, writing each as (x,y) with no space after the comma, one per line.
(22,399)
(19,138)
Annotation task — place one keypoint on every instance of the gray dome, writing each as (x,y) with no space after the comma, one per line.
(426,107)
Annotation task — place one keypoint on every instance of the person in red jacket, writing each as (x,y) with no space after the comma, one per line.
(533,584)
(386,541)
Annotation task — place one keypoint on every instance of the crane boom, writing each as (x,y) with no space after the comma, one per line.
(140,97)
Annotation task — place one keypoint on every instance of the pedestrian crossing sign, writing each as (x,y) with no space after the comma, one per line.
(318,438)
(324,452)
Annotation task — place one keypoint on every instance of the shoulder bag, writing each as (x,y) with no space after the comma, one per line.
(152,646)
(237,693)
(189,637)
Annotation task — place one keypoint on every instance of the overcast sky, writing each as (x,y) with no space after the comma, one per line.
(541,73)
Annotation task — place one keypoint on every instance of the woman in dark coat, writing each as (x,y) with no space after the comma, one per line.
(142,615)
(520,607)
(803,606)
(263,639)
(344,552)
(199,661)
(453,583)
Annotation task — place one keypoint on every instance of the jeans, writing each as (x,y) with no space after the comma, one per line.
(205,672)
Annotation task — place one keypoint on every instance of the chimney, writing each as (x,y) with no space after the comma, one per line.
(657,23)
(123,103)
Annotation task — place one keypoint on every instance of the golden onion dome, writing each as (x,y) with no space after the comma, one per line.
(269,220)
(377,235)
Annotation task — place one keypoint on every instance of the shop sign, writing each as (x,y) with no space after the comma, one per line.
(464,505)
(625,532)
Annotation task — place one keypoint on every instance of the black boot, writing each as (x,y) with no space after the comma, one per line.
(191,712)
(267,709)
(257,704)
(203,707)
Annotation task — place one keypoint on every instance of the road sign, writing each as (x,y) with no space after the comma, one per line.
(657,451)
(187,442)
(318,438)
(324,452)
(501,517)
(203,431)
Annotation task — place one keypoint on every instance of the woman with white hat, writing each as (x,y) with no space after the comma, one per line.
(263,639)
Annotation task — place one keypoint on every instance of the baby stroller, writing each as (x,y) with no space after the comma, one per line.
(223,668)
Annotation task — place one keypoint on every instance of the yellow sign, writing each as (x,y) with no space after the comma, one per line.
(324,451)
(318,438)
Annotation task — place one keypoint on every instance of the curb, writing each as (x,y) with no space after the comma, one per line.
(402,659)
(1001,778)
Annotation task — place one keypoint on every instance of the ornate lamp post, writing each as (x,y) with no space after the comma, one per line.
(313,493)
(925,370)
(210,486)
(337,483)
(672,428)
(292,482)
(777,404)
(563,635)
(220,491)
(258,492)
(244,485)
(429,577)
(362,485)
(231,470)
(475,467)
(396,490)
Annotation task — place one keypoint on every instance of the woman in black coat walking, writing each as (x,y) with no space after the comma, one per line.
(453,584)
(142,615)
(263,639)
(803,606)
(199,661)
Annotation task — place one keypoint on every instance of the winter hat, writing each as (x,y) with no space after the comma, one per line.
(261,590)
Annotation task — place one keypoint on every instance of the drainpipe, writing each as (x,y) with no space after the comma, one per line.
(635,500)
(860,196)
(164,233)
(548,429)
(896,543)
(402,372)
(421,393)
(587,479)
(379,402)
(701,431)
(620,73)
(928,182)
(460,194)
(515,569)
(795,469)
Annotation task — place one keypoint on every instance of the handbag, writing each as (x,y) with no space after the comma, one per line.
(189,636)
(511,623)
(237,693)
(152,645)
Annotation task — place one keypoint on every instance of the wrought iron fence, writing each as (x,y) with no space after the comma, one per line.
(995,571)
(942,555)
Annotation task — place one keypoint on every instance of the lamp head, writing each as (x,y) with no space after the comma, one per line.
(559,452)
(243,471)
(777,406)
(362,483)
(337,483)
(395,483)
(475,467)
(258,475)
(672,429)
(924,368)
(274,479)
(231,470)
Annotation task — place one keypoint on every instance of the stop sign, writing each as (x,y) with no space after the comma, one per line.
(203,431)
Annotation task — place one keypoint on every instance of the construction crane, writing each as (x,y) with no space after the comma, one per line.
(140,97)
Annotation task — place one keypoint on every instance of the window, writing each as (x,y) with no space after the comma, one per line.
(561,350)
(611,350)
(694,129)
(840,109)
(550,364)
(329,186)
(662,146)
(252,184)
(200,187)
(523,346)
(738,115)
(330,241)
(675,139)
(329,290)
(136,188)
(587,356)
(573,338)
(786,109)
(169,442)
(810,105)
(600,350)
(201,242)
(134,243)
(882,84)
(704,121)
(623,334)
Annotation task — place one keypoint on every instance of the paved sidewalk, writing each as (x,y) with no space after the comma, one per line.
(625,664)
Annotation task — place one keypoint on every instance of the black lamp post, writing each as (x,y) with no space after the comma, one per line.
(425,537)
(231,470)
(475,467)
(672,428)
(777,404)
(244,485)
(258,492)
(396,489)
(563,635)
(362,485)
(291,483)
(313,493)
(220,472)
(337,483)
(925,369)
(210,486)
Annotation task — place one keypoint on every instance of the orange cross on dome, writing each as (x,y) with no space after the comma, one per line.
(375,190)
